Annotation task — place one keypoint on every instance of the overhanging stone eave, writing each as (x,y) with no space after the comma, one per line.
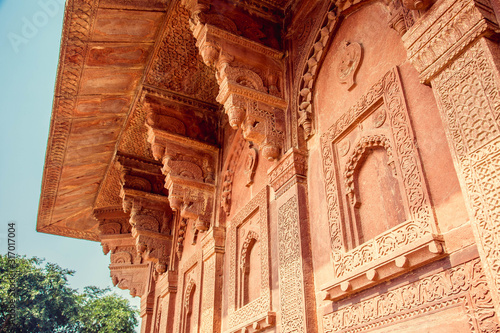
(68,190)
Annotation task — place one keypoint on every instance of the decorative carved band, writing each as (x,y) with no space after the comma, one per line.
(464,285)
(311,67)
(77,27)
(292,303)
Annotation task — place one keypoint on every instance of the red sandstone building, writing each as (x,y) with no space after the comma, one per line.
(284,165)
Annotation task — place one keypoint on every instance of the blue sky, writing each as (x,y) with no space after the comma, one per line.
(29,49)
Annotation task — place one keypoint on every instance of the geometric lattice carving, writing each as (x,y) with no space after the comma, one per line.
(469,100)
(382,121)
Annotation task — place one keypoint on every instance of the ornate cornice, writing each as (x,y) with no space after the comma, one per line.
(78,18)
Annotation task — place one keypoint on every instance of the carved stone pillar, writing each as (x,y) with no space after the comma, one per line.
(450,48)
(150,215)
(297,299)
(211,304)
(249,74)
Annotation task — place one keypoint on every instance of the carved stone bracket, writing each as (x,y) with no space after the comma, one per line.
(128,271)
(189,169)
(127,268)
(150,216)
(249,78)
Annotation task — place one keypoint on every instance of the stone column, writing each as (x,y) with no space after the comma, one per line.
(296,280)
(450,48)
(211,301)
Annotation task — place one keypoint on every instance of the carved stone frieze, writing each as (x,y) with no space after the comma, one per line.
(414,237)
(449,26)
(461,287)
(249,75)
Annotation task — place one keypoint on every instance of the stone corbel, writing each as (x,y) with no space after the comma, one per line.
(248,74)
(127,269)
(150,214)
(189,169)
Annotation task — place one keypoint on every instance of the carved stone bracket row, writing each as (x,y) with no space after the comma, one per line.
(249,75)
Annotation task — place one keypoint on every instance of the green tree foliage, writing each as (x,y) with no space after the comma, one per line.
(35,298)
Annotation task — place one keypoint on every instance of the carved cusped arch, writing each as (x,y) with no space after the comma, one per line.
(259,309)
(379,120)
(360,152)
(251,238)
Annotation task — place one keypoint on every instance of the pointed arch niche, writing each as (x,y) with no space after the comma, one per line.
(379,211)
(249,284)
